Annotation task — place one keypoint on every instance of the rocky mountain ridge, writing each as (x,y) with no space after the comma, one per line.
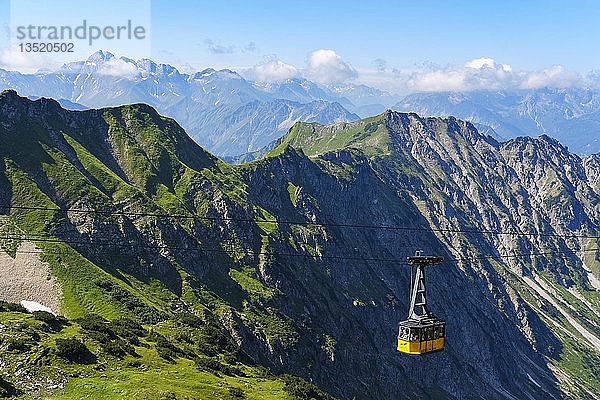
(517,223)
(570,114)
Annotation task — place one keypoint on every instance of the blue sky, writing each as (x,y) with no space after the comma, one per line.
(376,42)
(526,34)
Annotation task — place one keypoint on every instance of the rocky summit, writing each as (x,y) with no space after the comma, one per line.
(286,277)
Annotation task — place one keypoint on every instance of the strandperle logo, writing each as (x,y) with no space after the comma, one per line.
(87,32)
(59,27)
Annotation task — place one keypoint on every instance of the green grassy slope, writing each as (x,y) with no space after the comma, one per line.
(185,357)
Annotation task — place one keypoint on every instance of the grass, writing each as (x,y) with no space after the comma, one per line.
(69,182)
(110,182)
(178,360)
(132,157)
(581,364)
(276,327)
(74,272)
(8,229)
(173,361)
(246,278)
(147,374)
(263,217)
(293,192)
(581,312)
(77,277)
(226,182)
(26,191)
(369,135)
(161,380)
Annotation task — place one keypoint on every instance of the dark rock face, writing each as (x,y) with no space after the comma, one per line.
(323,301)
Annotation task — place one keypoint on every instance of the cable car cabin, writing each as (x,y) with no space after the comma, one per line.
(422,332)
(421,337)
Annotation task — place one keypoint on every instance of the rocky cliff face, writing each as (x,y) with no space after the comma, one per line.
(454,178)
(592,170)
(516,222)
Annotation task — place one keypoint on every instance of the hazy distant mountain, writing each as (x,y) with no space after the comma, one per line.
(66,104)
(256,123)
(570,115)
(231,116)
(368,101)
(302,90)
(69,105)
(360,99)
(205,103)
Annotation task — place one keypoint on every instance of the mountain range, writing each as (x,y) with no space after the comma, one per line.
(570,115)
(295,263)
(213,106)
(232,116)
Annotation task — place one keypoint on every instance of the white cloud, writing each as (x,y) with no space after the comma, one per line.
(486,73)
(14,59)
(555,76)
(322,66)
(119,67)
(439,80)
(272,70)
(484,62)
(327,67)
(479,73)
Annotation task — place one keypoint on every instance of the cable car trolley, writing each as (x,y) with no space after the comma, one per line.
(422,332)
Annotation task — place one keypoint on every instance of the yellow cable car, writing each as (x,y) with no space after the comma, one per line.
(422,332)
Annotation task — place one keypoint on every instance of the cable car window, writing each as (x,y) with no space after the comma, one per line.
(405,334)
